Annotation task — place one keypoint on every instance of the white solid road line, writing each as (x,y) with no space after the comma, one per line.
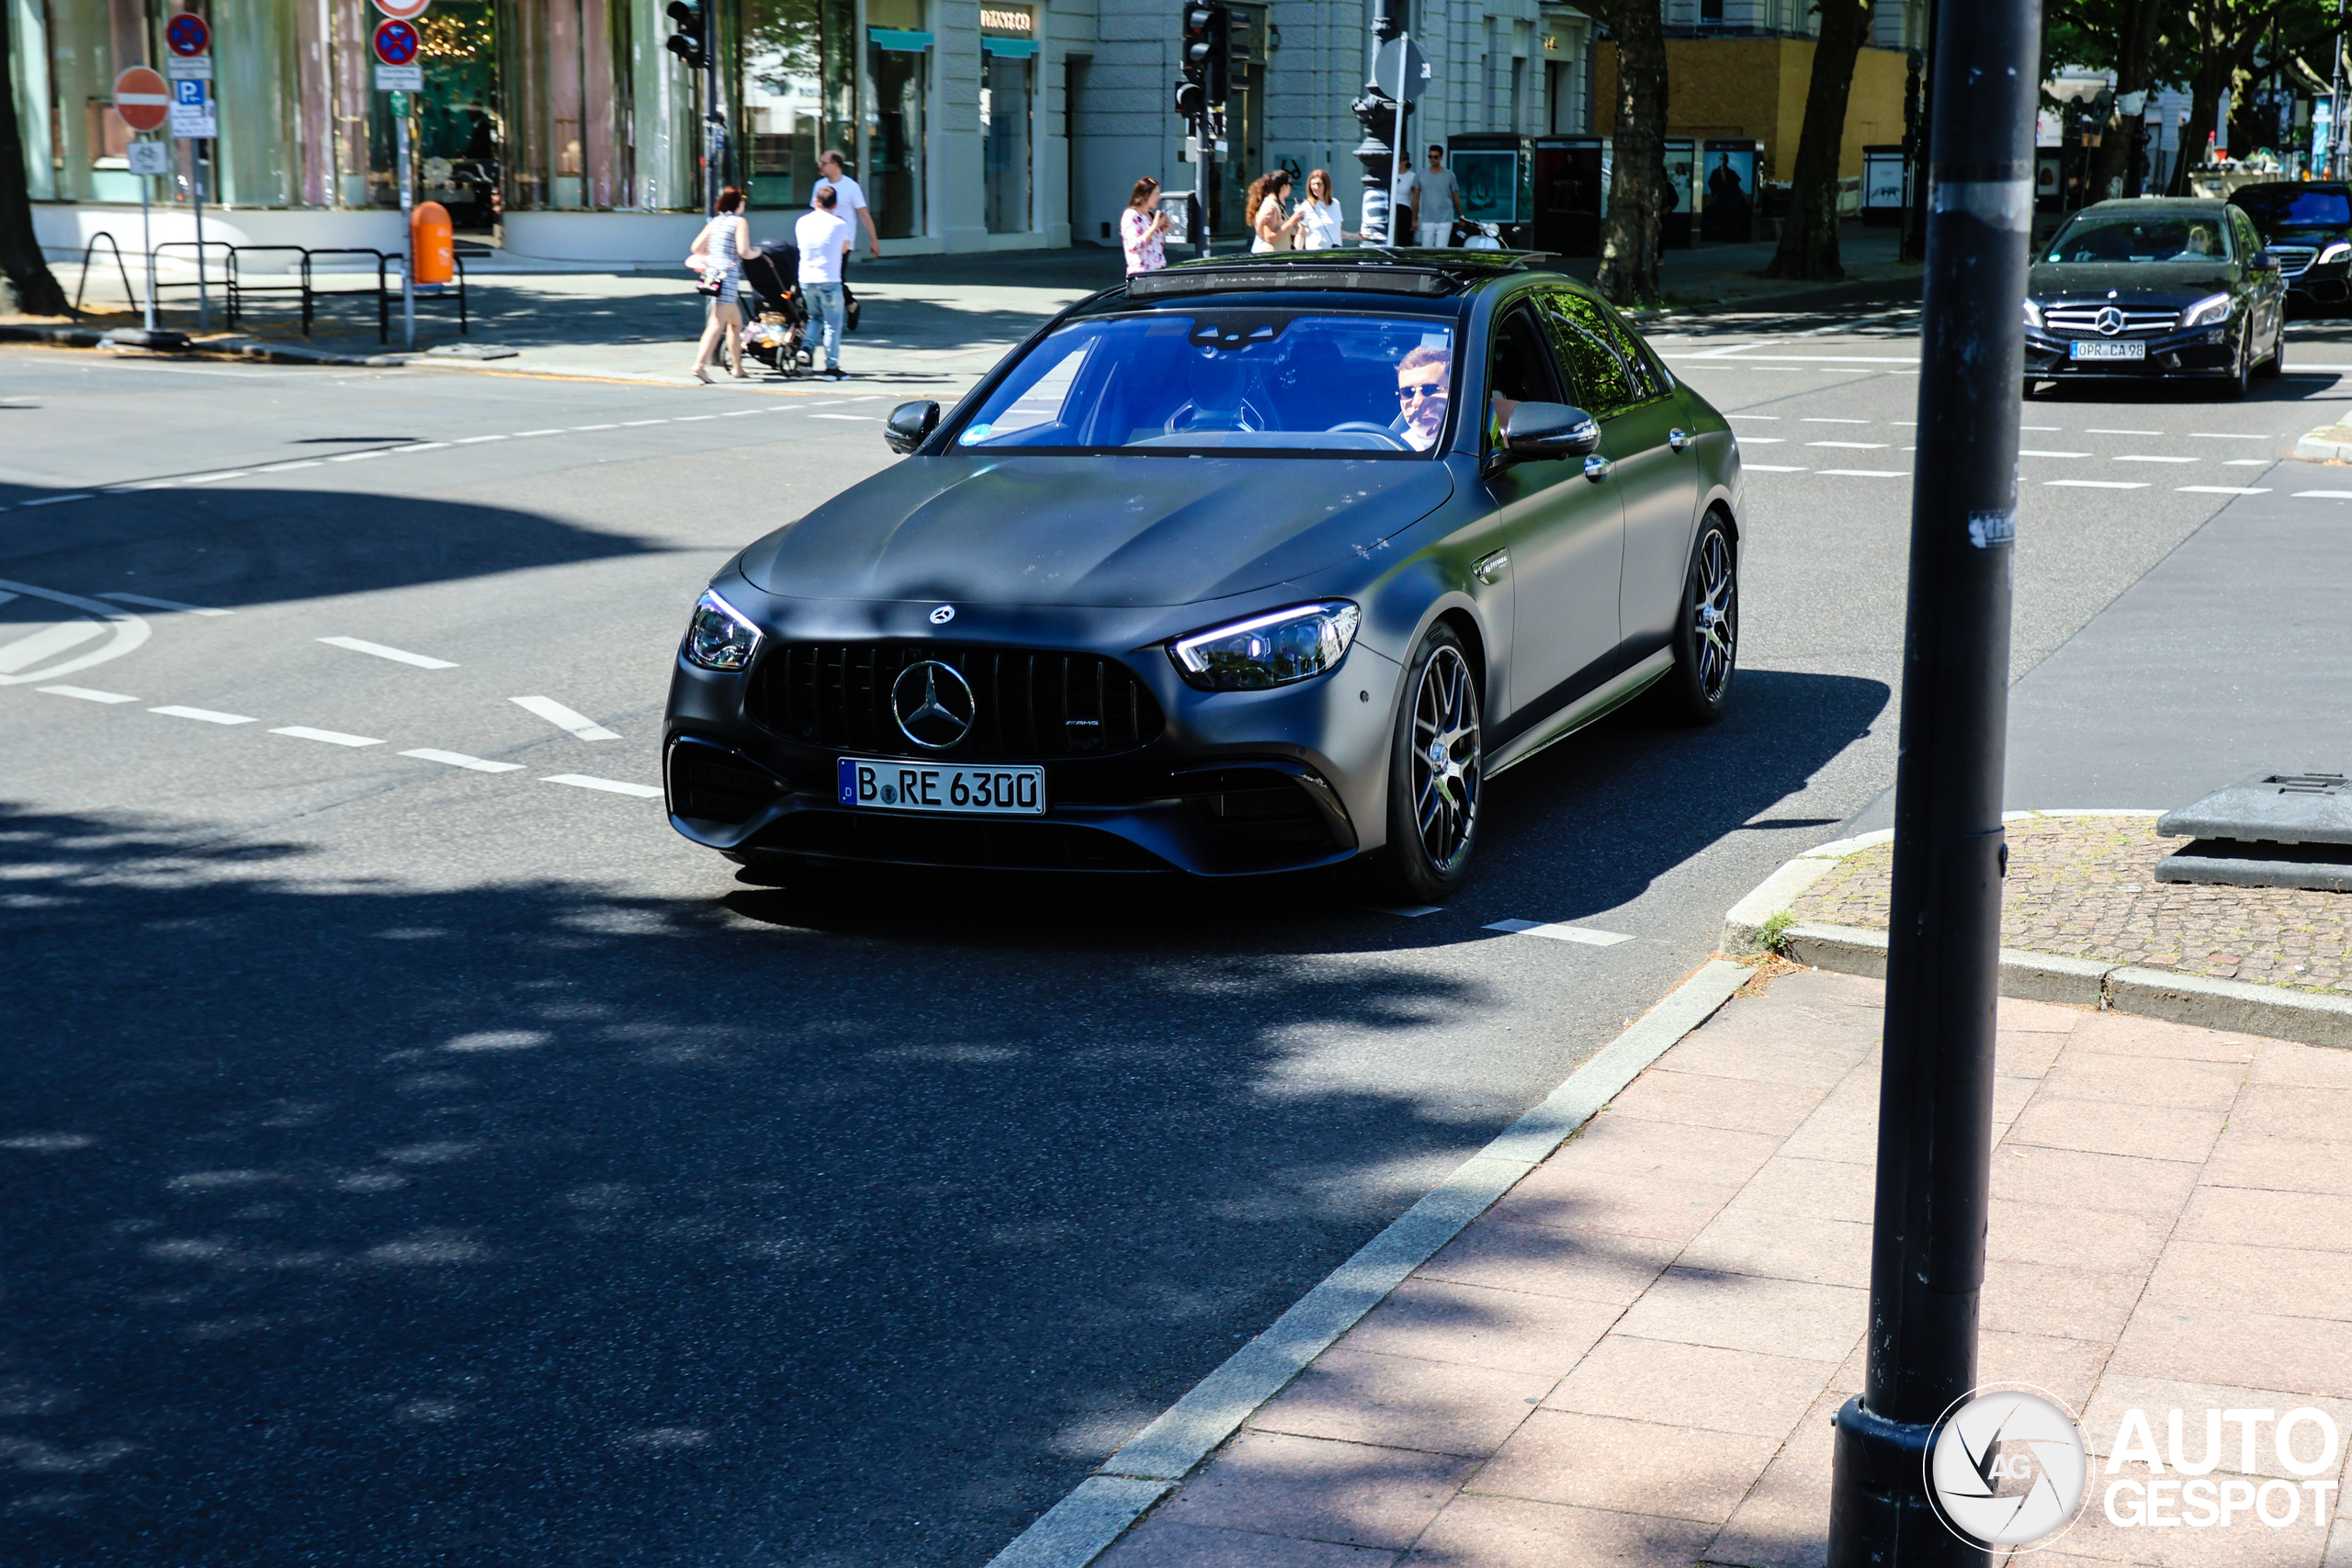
(2222,435)
(595,427)
(738,413)
(2097,484)
(1853,446)
(563,717)
(208,478)
(422,446)
(86,694)
(2217,489)
(360,456)
(146,604)
(1815,420)
(633,423)
(519,436)
(331,737)
(611,786)
(395,654)
(205,715)
(47,643)
(288,467)
(1768,468)
(2097,430)
(1870,473)
(2139,458)
(459,760)
(1558,932)
(1763,440)
(2032,452)
(475,440)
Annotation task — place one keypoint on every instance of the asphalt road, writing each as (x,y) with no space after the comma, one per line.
(416,1154)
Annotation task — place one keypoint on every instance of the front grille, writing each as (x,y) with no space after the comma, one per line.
(1031,703)
(2079,318)
(2295,260)
(716,785)
(979,844)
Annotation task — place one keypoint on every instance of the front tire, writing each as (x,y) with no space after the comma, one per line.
(2276,363)
(1436,774)
(2239,385)
(1706,632)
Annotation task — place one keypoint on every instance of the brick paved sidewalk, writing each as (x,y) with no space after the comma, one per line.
(2085,887)
(1633,1359)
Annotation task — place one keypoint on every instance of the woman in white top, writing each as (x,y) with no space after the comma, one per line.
(721,246)
(1141,228)
(1326,225)
(1275,232)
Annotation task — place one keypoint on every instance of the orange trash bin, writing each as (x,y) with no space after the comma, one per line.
(435,241)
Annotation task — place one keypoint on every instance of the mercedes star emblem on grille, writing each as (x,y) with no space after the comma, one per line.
(934,705)
(2110,321)
(944,614)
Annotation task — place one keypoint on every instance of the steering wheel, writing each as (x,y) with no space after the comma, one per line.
(1365,427)
(1186,419)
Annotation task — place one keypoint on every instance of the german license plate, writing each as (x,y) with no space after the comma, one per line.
(2082,349)
(877,784)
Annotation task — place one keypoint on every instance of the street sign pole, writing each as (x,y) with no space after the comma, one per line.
(195,188)
(147,253)
(1402,161)
(408,230)
(1936,1088)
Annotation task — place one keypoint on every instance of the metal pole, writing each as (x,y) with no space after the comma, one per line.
(147,249)
(408,230)
(1201,155)
(1402,161)
(1936,1091)
(195,168)
(710,110)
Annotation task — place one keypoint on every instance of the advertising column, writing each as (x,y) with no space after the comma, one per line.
(1008,114)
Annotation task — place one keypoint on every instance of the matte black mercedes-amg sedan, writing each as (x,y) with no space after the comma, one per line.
(2155,288)
(1240,567)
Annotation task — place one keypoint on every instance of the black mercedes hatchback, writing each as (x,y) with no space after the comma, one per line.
(1240,567)
(2153,289)
(2308,228)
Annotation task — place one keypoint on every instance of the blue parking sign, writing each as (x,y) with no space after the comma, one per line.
(190,94)
(194,113)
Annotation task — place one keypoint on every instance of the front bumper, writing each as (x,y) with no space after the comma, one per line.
(1234,784)
(2201,353)
(2322,283)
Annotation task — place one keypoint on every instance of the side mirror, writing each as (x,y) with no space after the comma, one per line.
(1539,433)
(911,425)
(2265,261)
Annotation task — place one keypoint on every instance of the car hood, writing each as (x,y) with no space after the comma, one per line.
(1092,531)
(2141,280)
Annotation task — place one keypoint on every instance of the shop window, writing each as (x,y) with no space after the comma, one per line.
(897,88)
(1008,114)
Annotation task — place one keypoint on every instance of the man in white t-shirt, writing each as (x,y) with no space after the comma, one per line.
(849,200)
(824,237)
(1437,201)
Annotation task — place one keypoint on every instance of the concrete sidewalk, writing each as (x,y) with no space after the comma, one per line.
(1633,1357)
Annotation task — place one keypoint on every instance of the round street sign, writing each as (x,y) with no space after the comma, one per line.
(188,35)
(396,41)
(402,10)
(1401,55)
(143,99)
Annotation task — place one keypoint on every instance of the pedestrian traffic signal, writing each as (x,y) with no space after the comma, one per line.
(690,42)
(1208,53)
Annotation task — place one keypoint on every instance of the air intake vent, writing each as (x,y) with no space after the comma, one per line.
(1029,704)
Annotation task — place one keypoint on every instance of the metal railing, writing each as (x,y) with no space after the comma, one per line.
(87,251)
(239,292)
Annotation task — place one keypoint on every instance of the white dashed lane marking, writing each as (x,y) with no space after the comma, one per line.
(611,786)
(2138,459)
(1870,473)
(204,716)
(1558,932)
(86,694)
(398,656)
(2032,452)
(459,760)
(2324,495)
(330,737)
(563,717)
(2217,489)
(2097,484)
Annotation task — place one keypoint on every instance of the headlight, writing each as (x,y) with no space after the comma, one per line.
(720,637)
(1271,650)
(2206,312)
(2335,252)
(2033,315)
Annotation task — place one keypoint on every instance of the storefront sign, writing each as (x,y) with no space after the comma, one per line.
(993,19)
(142,99)
(193,110)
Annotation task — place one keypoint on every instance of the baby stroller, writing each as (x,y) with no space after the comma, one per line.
(776,328)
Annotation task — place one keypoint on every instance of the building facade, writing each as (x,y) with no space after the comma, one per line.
(567,130)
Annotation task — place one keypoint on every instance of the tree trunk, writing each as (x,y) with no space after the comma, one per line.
(2205,90)
(2134,73)
(36,292)
(1637,185)
(1809,242)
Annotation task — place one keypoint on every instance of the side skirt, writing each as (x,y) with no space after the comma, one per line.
(1597,704)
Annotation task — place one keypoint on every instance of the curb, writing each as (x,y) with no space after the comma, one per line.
(1150,1465)
(2241,1006)
(229,348)
(2316,447)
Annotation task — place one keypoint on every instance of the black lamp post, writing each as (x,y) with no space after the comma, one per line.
(1382,118)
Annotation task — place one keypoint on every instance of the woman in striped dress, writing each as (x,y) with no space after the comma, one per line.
(721,244)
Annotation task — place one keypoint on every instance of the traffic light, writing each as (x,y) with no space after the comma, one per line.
(1208,55)
(690,42)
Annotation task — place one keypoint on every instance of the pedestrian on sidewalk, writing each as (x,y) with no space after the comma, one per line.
(1142,228)
(849,200)
(1275,232)
(824,237)
(1437,201)
(1325,226)
(722,244)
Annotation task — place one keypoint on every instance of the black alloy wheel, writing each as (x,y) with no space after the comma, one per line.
(1437,772)
(2242,381)
(2277,364)
(1706,633)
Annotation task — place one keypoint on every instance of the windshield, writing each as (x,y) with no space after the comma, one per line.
(2297,208)
(1226,379)
(2143,237)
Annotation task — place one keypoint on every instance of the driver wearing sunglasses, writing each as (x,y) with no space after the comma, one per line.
(1421,377)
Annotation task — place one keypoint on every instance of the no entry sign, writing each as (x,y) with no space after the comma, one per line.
(188,35)
(396,41)
(141,99)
